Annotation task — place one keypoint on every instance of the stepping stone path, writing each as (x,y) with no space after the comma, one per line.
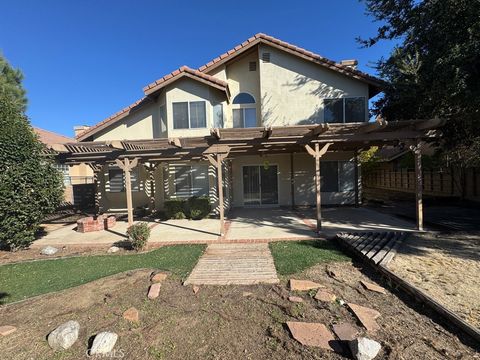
(131,315)
(7,330)
(364,348)
(325,296)
(366,316)
(103,343)
(234,264)
(154,291)
(313,334)
(303,285)
(295,299)
(345,331)
(373,287)
(64,336)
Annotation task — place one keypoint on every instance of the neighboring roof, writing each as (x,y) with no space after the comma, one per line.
(182,72)
(49,137)
(292,49)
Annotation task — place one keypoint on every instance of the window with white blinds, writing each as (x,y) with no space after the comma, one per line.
(191,180)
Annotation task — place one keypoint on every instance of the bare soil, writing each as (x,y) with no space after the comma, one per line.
(219,322)
(447,267)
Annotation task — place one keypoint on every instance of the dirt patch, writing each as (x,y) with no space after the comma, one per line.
(446,266)
(219,322)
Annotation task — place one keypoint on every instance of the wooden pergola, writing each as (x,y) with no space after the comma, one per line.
(221,144)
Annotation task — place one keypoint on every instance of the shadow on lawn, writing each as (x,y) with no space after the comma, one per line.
(3,295)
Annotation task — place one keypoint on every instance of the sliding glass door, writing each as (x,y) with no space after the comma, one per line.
(260,185)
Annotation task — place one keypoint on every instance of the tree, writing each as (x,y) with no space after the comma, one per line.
(30,186)
(434,70)
(11,83)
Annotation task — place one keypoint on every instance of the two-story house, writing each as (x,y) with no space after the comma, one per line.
(262,83)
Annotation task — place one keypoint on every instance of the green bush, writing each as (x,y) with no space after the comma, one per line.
(198,207)
(174,207)
(30,186)
(138,235)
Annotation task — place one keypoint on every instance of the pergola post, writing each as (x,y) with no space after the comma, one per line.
(218,165)
(151,177)
(317,154)
(417,152)
(356,173)
(127,166)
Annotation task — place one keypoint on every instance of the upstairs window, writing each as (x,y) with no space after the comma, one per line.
(344,110)
(189,115)
(245,111)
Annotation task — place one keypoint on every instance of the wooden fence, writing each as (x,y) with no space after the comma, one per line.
(435,182)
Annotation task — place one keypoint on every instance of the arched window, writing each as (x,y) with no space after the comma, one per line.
(243,98)
(244,111)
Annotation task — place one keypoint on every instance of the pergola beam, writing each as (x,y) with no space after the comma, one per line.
(320,129)
(267,132)
(215,133)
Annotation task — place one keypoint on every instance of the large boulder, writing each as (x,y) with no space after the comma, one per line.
(364,348)
(64,336)
(103,343)
(49,250)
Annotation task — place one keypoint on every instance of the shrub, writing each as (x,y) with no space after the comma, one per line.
(138,235)
(30,186)
(198,207)
(174,207)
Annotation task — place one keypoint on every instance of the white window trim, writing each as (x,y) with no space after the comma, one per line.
(188,115)
(343,105)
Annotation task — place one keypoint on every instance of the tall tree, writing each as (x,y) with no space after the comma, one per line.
(11,83)
(30,186)
(435,69)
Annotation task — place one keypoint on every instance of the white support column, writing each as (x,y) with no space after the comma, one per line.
(417,152)
(127,166)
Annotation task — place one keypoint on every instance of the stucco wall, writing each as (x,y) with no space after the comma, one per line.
(292,89)
(304,178)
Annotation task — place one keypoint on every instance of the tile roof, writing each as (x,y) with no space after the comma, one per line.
(49,137)
(270,40)
(184,70)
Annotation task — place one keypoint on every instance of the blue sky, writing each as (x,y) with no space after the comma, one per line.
(85,60)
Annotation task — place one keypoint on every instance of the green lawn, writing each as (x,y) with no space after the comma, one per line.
(294,256)
(23,280)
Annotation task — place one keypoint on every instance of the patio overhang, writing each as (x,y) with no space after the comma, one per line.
(221,144)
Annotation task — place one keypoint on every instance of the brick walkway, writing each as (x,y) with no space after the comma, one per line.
(234,264)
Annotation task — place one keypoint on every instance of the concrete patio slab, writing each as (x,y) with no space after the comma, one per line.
(266,223)
(185,230)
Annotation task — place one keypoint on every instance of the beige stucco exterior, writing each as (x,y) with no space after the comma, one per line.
(288,90)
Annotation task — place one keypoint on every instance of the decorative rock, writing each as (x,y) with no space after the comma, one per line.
(373,287)
(7,330)
(158,277)
(103,343)
(345,331)
(364,348)
(325,296)
(113,249)
(131,315)
(154,291)
(49,250)
(295,299)
(64,336)
(195,289)
(312,334)
(366,316)
(303,285)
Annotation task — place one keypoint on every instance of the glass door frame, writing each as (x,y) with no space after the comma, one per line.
(260,187)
